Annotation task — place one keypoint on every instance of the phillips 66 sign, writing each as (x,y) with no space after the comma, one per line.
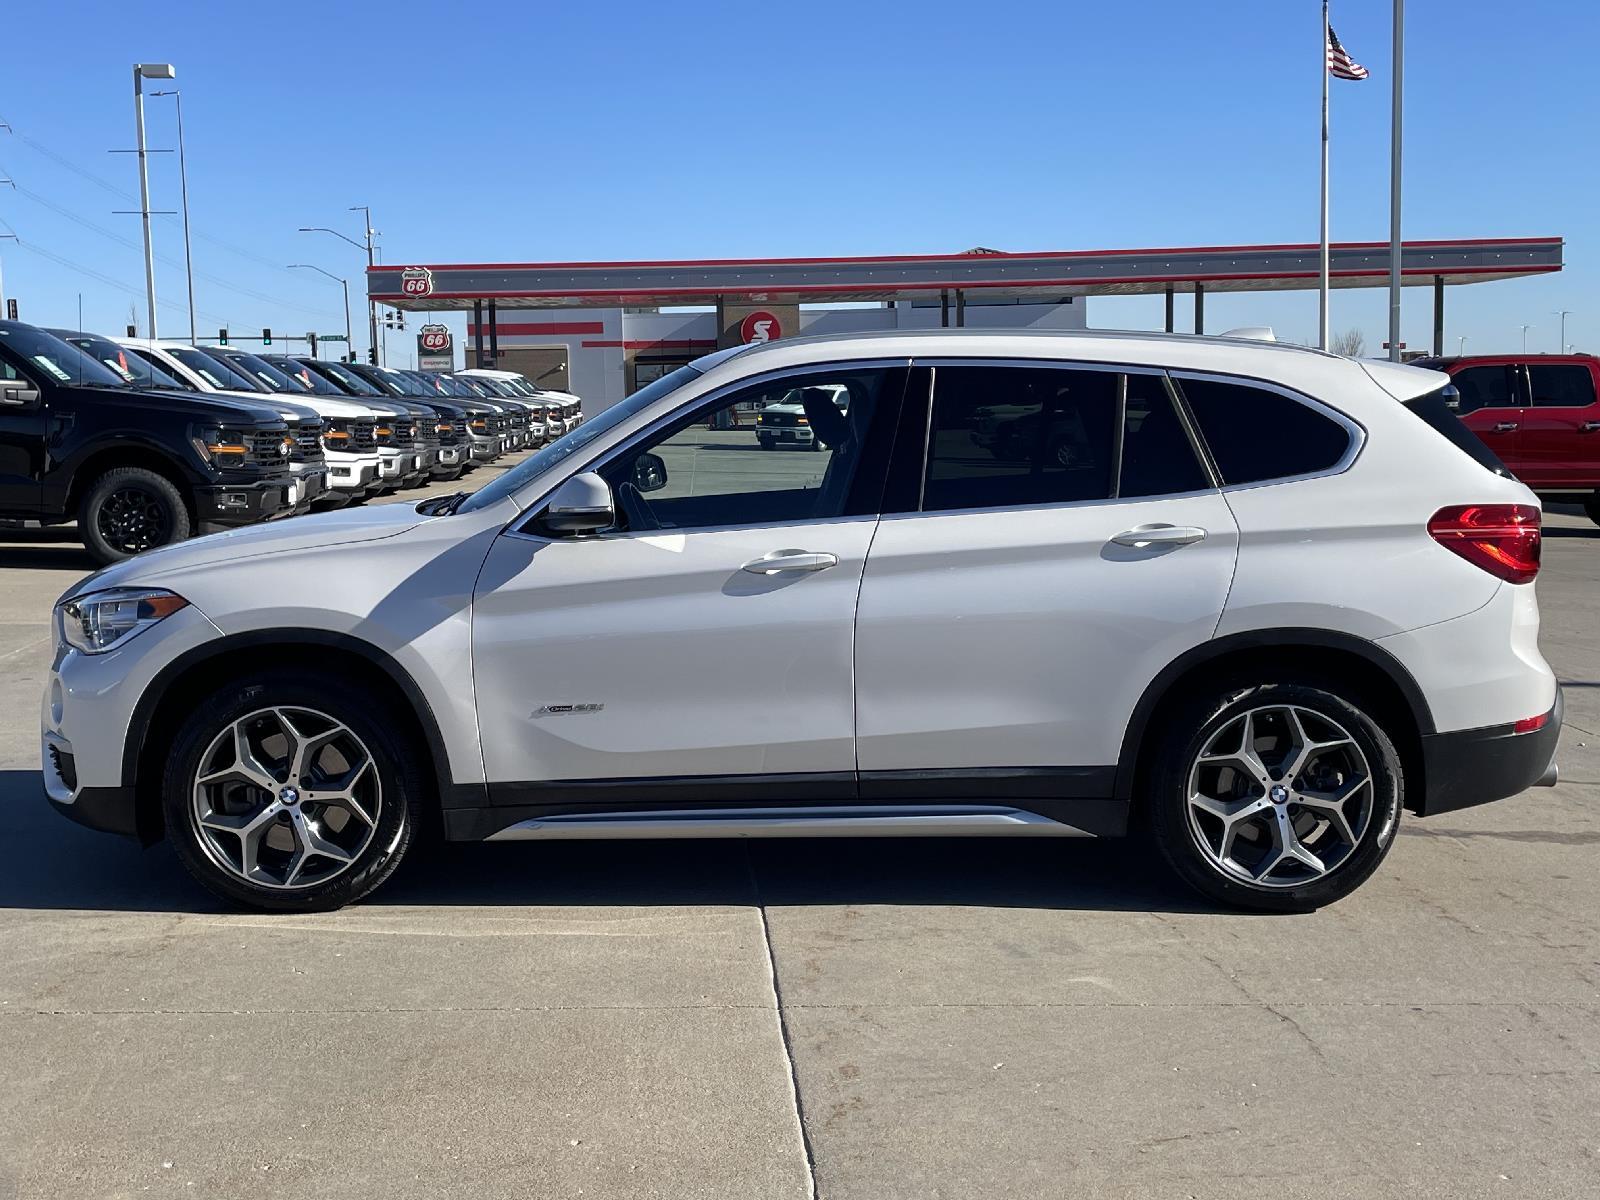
(435,350)
(416,281)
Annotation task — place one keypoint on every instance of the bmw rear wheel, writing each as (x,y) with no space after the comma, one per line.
(1282,797)
(290,793)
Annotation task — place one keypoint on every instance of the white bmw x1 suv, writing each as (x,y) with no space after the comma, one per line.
(1251,598)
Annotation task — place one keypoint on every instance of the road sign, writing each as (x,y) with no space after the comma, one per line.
(11,308)
(1402,345)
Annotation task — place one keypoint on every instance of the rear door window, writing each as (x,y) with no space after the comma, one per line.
(1485,387)
(1256,435)
(1561,385)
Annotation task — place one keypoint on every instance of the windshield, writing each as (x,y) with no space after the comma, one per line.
(139,371)
(267,375)
(313,377)
(59,361)
(218,374)
(354,383)
(578,439)
(401,382)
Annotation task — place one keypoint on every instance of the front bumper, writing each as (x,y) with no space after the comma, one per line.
(793,434)
(306,484)
(86,711)
(396,464)
(484,449)
(226,505)
(452,456)
(1478,766)
(352,474)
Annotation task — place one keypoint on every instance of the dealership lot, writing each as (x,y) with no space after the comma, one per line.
(961,1018)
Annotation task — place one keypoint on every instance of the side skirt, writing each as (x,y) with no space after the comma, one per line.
(941,820)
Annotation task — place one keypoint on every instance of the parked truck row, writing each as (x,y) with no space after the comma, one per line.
(147,442)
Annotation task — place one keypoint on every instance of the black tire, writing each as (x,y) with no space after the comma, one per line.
(1203,718)
(766,443)
(1591,505)
(816,444)
(369,717)
(110,527)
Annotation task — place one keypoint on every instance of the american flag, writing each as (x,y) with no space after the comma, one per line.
(1340,64)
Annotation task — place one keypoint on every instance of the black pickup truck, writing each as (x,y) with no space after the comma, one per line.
(136,468)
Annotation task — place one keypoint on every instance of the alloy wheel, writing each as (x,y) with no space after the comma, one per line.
(132,519)
(286,798)
(1279,797)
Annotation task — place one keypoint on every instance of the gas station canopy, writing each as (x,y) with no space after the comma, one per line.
(974,276)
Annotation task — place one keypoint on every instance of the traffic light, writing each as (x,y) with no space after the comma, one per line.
(133,331)
(222,337)
(266,337)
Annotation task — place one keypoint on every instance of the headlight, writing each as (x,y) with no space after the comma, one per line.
(101,621)
(224,447)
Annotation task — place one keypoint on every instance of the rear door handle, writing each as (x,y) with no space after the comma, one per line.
(1505,426)
(780,561)
(1144,536)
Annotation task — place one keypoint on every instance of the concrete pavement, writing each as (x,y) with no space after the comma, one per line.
(866,1018)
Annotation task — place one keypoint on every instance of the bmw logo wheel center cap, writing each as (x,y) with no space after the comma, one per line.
(1278,794)
(289,796)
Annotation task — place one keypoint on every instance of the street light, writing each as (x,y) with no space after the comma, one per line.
(342,283)
(183,178)
(1563,313)
(1525,329)
(141,72)
(368,230)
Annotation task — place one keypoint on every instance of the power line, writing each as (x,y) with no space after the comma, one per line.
(120,286)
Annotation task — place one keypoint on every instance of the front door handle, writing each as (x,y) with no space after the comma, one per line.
(780,561)
(1589,427)
(1505,426)
(1142,537)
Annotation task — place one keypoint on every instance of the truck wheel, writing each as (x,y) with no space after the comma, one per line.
(1279,797)
(1591,505)
(292,791)
(130,509)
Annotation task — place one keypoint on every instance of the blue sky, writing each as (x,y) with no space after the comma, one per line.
(558,131)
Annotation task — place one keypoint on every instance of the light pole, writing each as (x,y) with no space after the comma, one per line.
(1525,329)
(141,72)
(368,231)
(1563,313)
(1461,347)
(345,284)
(183,179)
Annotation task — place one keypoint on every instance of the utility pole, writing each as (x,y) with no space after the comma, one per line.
(183,179)
(141,72)
(1525,329)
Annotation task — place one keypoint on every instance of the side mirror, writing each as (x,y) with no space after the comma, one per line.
(649,473)
(580,505)
(18,395)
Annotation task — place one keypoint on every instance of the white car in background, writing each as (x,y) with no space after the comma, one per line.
(347,436)
(789,420)
(1270,598)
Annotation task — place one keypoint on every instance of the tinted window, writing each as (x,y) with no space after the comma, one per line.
(796,460)
(1437,410)
(1005,436)
(1561,385)
(1158,459)
(1255,435)
(1484,387)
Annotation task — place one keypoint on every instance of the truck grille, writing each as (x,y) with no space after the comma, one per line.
(267,446)
(427,429)
(363,436)
(774,419)
(405,433)
(307,443)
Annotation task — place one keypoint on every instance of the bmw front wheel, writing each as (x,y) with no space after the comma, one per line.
(284,792)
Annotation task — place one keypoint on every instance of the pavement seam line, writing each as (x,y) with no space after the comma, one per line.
(783,1028)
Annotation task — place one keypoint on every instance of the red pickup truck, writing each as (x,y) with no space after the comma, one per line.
(1540,413)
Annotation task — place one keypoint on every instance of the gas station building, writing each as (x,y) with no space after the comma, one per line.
(604,329)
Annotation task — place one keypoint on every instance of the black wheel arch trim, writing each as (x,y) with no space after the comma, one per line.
(1264,639)
(451,794)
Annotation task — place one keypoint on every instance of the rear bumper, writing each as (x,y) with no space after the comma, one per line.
(1477,766)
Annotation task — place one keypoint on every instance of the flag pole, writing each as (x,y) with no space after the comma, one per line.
(1394,179)
(1322,272)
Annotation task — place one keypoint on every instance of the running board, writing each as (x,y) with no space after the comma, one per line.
(941,820)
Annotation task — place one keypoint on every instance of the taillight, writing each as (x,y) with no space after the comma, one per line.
(1502,539)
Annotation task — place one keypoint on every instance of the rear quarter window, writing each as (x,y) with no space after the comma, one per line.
(1437,410)
(1256,435)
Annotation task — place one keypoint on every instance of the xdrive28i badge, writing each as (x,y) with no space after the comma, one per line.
(564,710)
